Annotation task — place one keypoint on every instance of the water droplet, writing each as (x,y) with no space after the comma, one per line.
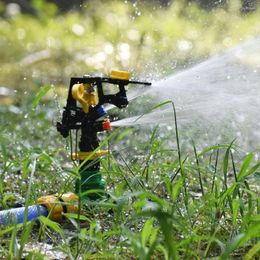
(78,29)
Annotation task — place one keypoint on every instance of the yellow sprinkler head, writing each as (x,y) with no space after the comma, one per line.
(117,74)
(86,95)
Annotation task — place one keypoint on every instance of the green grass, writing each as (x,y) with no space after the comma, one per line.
(166,203)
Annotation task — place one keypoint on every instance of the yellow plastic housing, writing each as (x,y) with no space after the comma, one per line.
(70,200)
(117,74)
(91,155)
(85,95)
(57,206)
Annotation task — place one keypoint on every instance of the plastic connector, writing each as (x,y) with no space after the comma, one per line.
(57,206)
(85,95)
(101,111)
(106,125)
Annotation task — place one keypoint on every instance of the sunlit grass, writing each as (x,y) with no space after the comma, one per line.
(164,202)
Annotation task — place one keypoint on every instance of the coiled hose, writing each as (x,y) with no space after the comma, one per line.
(17,215)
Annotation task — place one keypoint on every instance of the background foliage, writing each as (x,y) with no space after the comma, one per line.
(147,39)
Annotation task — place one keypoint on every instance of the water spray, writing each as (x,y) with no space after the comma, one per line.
(83,112)
(219,98)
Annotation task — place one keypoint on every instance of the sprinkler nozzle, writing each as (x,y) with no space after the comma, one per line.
(106,125)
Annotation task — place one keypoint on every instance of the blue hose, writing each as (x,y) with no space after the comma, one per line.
(17,215)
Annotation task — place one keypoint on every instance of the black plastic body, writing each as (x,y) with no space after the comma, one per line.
(73,116)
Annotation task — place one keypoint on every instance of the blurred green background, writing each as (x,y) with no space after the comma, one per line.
(47,42)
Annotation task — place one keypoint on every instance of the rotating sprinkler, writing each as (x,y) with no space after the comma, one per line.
(84,113)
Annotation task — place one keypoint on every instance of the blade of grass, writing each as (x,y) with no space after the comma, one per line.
(215,171)
(13,244)
(237,191)
(247,161)
(252,252)
(238,241)
(43,91)
(198,166)
(24,232)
